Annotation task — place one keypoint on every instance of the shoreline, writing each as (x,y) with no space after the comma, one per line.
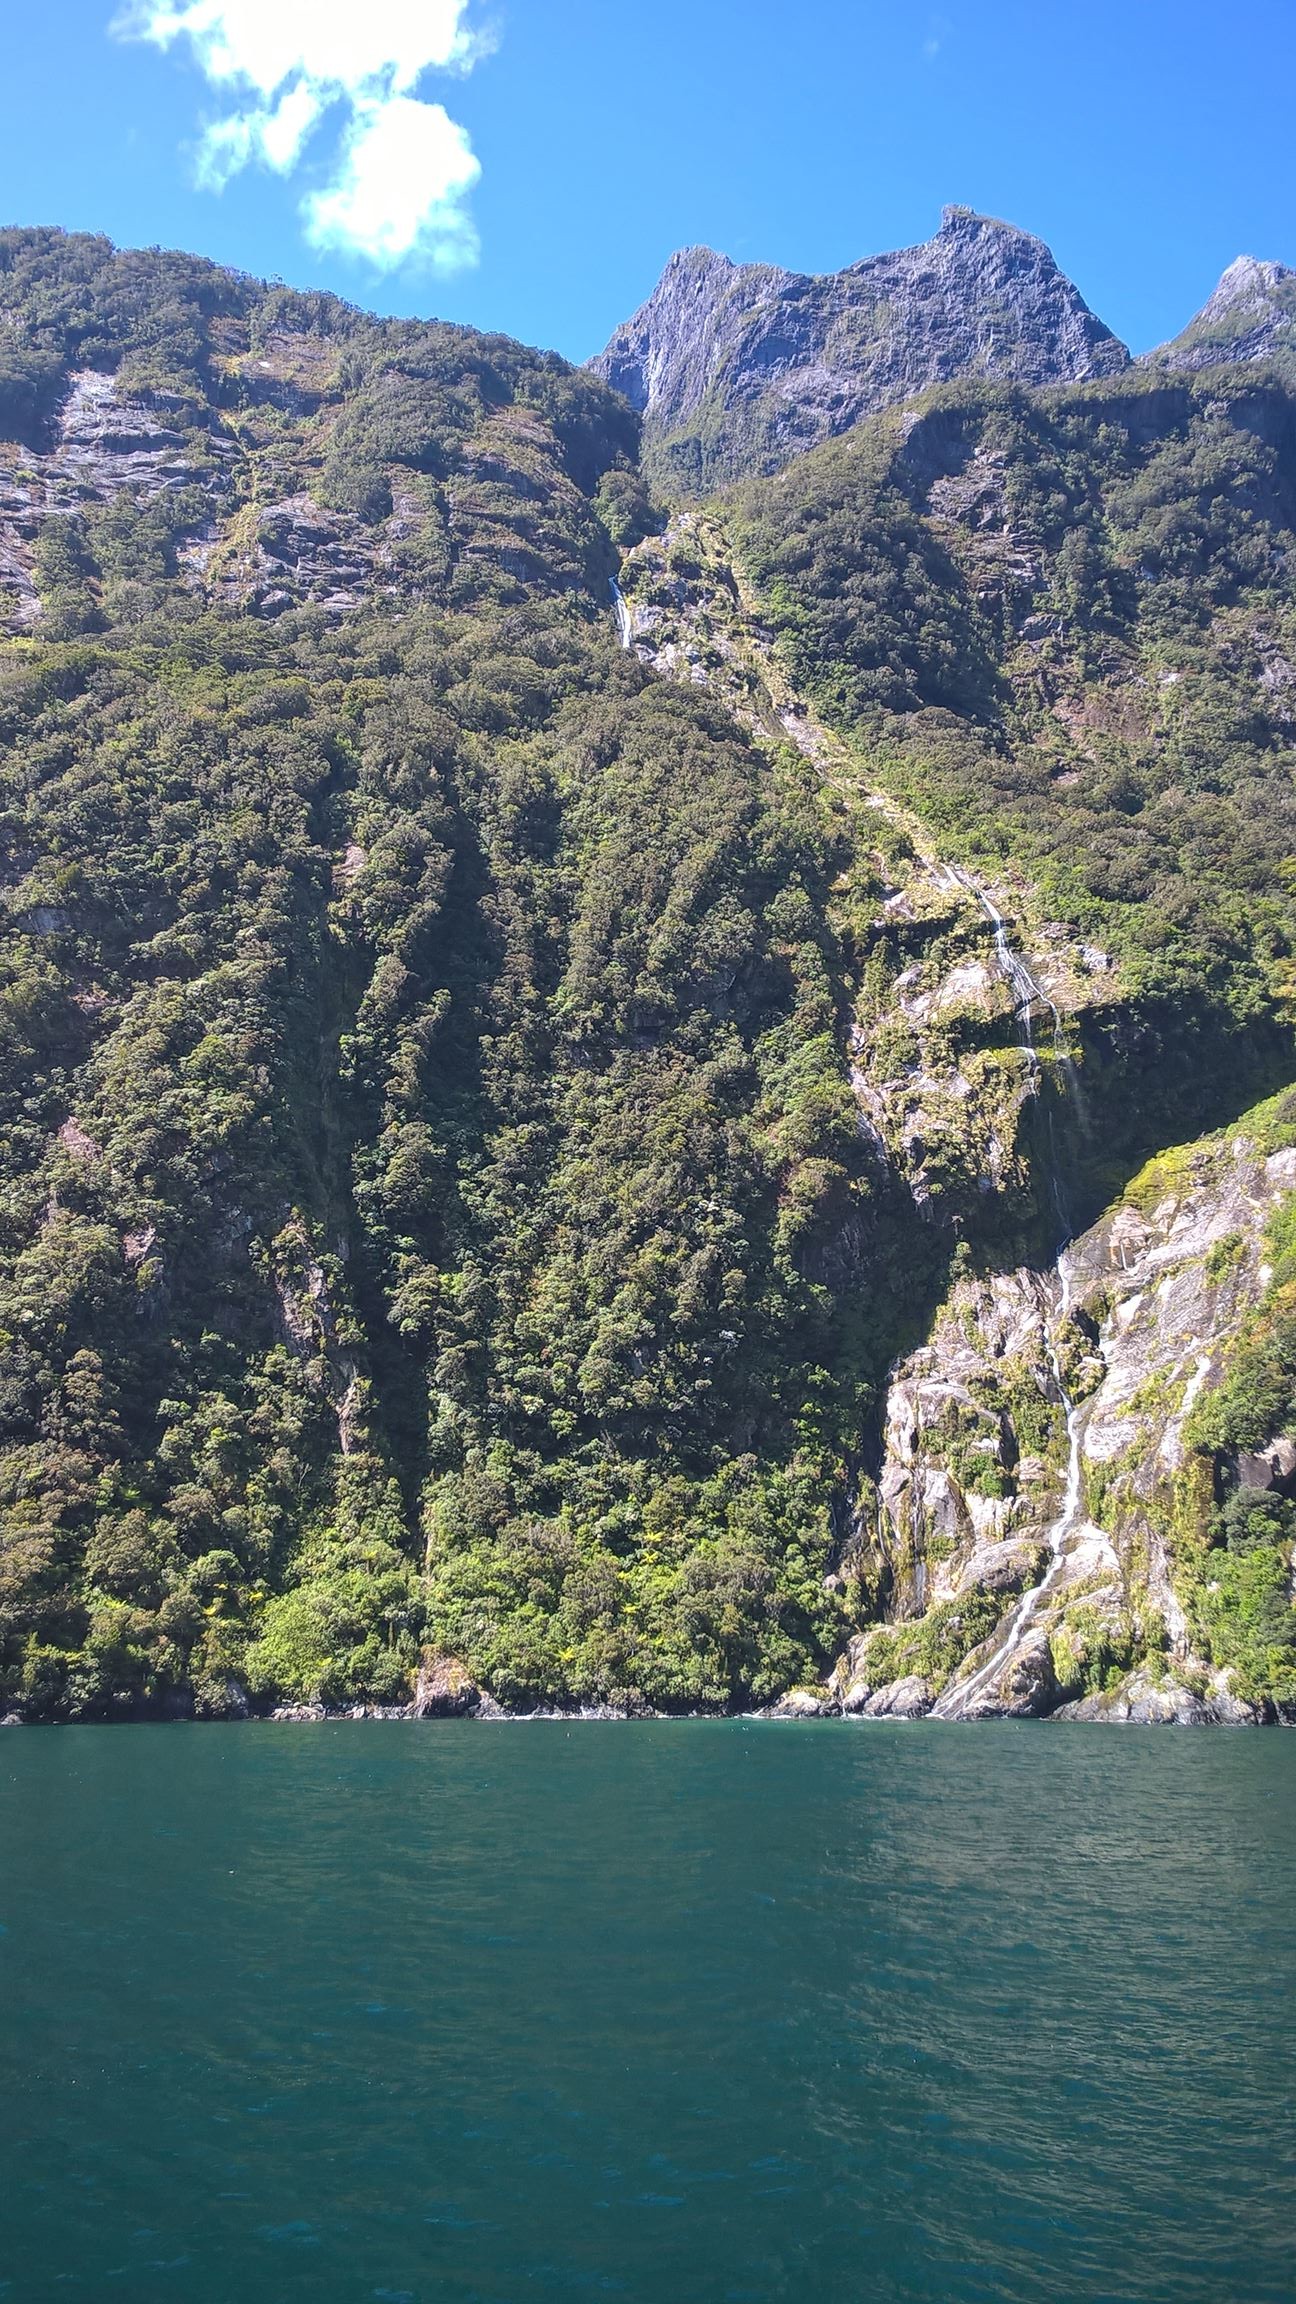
(1266,1715)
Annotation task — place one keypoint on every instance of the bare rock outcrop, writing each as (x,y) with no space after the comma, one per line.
(1250,316)
(1147,1700)
(908,1698)
(739,367)
(444,1690)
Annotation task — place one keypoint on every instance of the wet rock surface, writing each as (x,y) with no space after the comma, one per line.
(1157,1290)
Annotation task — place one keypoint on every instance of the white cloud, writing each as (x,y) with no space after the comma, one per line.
(347,42)
(404,170)
(272,133)
(406,173)
(285,130)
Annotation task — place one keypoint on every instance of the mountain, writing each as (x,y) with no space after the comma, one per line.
(424,1156)
(737,367)
(535,1142)
(1250,317)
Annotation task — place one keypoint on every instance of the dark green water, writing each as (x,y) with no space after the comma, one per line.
(680,2013)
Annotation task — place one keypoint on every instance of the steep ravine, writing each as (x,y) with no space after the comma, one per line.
(963,1027)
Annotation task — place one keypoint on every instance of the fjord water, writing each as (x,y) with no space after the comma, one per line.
(683,2013)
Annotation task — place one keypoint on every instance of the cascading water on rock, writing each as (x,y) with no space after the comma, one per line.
(625,622)
(959,1700)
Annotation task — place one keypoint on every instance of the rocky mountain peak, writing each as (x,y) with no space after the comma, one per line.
(1250,280)
(739,367)
(1251,315)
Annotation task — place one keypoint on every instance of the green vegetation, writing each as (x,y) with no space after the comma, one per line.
(1216,337)
(505,1176)
(434,1212)
(432,1206)
(935,1645)
(1062,627)
(1257,1397)
(1090,1650)
(1236,1561)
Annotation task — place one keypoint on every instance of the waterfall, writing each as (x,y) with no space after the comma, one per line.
(1027,991)
(958,1698)
(625,622)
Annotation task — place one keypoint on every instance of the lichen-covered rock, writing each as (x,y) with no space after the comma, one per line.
(855,1694)
(1023,1688)
(851,1682)
(1132,1703)
(802,1704)
(1007,1567)
(1231,1711)
(1156,1292)
(973,1445)
(1144,1701)
(1172,1273)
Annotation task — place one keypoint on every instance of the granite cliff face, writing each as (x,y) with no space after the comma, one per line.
(738,367)
(1251,316)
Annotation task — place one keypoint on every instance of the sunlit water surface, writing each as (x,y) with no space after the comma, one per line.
(682,2013)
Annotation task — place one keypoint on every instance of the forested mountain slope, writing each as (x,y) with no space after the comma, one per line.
(1062,624)
(479,1118)
(1042,651)
(424,1136)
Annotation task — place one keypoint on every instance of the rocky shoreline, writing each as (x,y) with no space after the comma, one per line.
(1138,1701)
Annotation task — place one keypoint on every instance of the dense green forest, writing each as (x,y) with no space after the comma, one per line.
(426,1146)
(434,1213)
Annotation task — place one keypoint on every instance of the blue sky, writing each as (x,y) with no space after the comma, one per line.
(528,165)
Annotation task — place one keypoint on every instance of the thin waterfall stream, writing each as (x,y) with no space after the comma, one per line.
(625,622)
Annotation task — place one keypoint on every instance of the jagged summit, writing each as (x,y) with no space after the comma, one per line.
(739,367)
(1250,316)
(1251,279)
